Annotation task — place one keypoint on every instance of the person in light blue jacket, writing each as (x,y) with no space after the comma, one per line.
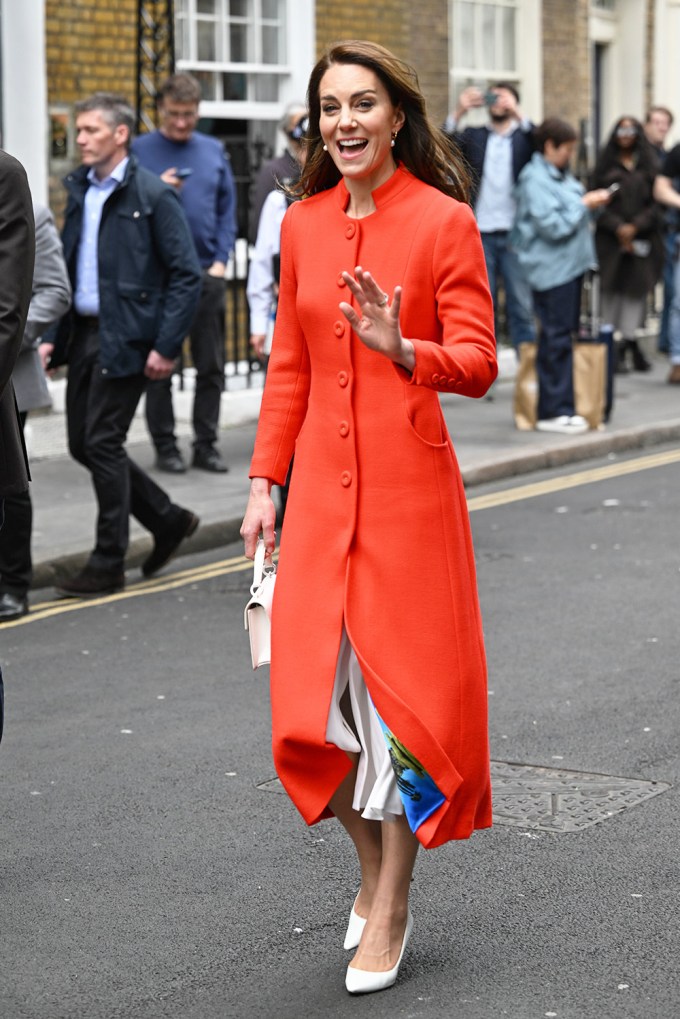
(553,241)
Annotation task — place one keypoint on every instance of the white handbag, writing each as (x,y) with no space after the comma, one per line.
(258,611)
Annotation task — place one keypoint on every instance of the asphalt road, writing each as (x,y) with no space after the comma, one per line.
(144,874)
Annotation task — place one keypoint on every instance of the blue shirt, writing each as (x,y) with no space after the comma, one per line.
(495,206)
(86,296)
(208,195)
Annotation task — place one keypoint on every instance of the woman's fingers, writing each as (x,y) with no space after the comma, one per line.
(365,288)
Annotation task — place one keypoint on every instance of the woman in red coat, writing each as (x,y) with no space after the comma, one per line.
(378,672)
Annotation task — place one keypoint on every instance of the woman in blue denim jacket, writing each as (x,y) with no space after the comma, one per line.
(553,240)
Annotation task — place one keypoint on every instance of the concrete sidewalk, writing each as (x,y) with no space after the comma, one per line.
(489,448)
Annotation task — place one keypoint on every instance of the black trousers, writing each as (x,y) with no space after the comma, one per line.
(16,567)
(99,413)
(207,351)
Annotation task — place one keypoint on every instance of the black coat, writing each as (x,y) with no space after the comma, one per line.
(149,273)
(17,251)
(621,272)
(472,142)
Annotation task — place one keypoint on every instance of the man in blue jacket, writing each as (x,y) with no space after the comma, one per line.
(198,168)
(497,152)
(136,282)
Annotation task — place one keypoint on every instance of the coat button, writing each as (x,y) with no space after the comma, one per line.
(136,214)
(343,379)
(452,382)
(435,379)
(343,428)
(350,231)
(340,281)
(345,479)
(339,328)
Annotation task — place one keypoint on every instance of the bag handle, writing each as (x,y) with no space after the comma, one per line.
(260,569)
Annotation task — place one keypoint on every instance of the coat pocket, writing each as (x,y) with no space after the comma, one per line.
(139,312)
(424,416)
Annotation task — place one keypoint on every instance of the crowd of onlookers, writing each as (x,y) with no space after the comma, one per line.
(543,231)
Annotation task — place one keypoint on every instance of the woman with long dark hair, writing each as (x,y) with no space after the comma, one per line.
(378,676)
(629,235)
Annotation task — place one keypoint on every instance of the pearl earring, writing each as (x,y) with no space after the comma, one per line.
(394,138)
(325,148)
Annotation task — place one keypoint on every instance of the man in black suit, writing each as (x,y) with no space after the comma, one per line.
(496,152)
(17,251)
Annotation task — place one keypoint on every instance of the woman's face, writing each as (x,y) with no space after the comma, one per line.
(626,134)
(559,155)
(357,123)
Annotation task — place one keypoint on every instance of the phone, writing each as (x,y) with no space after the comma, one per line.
(613,188)
(186,172)
(490,98)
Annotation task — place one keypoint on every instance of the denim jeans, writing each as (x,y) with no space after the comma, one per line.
(501,262)
(674,318)
(671,240)
(558,314)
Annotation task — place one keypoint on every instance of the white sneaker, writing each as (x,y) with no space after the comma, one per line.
(564,424)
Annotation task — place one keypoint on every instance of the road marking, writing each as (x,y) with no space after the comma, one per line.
(589,477)
(60,606)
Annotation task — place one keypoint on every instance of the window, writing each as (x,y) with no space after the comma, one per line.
(484,40)
(236,48)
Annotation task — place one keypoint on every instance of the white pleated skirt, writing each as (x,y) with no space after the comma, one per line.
(376,795)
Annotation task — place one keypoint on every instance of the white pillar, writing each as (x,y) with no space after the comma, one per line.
(24,89)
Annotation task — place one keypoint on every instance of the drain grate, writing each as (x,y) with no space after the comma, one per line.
(549,799)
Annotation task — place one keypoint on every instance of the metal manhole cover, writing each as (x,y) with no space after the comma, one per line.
(549,799)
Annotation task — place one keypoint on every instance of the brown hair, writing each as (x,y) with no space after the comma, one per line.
(180,88)
(422,148)
(114,108)
(554,130)
(659,109)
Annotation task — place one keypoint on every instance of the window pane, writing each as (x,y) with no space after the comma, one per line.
(266,88)
(465,35)
(208,83)
(206,6)
(238,44)
(238,8)
(206,48)
(234,87)
(488,35)
(270,9)
(270,45)
(508,39)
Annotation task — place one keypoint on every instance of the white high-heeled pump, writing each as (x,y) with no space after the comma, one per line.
(355,928)
(363,981)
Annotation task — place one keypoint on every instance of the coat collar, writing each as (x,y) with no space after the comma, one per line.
(393,186)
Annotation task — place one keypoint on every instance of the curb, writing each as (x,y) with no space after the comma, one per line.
(224,532)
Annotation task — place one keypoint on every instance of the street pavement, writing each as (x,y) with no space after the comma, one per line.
(151,869)
(646,412)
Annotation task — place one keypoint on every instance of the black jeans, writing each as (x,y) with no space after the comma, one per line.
(99,412)
(16,567)
(207,351)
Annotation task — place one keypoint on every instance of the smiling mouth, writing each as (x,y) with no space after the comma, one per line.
(352,145)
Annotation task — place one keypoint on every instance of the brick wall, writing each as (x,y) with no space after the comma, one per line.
(566,60)
(416,32)
(91,46)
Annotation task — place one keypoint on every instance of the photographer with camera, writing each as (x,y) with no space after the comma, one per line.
(496,152)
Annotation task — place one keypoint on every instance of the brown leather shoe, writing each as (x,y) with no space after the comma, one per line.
(165,545)
(91,582)
(674,376)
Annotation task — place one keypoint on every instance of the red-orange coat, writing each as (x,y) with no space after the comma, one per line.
(376,531)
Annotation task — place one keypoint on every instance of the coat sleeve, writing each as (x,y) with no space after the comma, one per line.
(51,297)
(286,392)
(17,249)
(464,361)
(177,253)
